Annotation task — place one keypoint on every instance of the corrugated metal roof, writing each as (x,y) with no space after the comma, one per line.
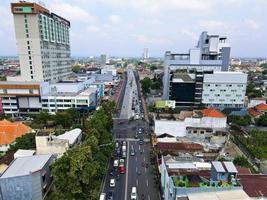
(230,167)
(218,166)
(71,135)
(25,165)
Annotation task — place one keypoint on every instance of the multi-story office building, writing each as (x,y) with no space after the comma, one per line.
(211,53)
(21,97)
(42,41)
(208,88)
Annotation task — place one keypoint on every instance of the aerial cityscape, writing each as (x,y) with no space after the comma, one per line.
(133,100)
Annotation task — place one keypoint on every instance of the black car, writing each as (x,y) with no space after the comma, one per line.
(110,195)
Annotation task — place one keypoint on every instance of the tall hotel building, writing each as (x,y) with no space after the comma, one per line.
(42,41)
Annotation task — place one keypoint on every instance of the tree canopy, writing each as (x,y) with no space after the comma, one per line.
(79,172)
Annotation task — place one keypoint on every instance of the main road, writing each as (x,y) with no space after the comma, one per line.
(139,172)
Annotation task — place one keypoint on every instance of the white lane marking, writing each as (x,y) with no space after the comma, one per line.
(126,181)
(148,197)
(144,159)
(139,147)
(147,182)
(136,169)
(145,169)
(136,182)
(136,159)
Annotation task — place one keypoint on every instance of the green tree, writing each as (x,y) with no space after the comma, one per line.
(26,141)
(239,120)
(241,161)
(262,121)
(145,85)
(76,68)
(252,91)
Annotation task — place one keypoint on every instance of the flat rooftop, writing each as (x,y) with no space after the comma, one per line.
(25,165)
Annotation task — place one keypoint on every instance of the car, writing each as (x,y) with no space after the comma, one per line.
(124,143)
(124,154)
(133,194)
(112,182)
(102,196)
(116,163)
(122,169)
(121,162)
(117,145)
(110,195)
(141,142)
(132,152)
(136,136)
(121,122)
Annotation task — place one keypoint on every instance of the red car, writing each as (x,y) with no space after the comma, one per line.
(122,169)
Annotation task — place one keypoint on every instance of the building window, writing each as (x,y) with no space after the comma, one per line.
(30,57)
(31,77)
(4,91)
(29,47)
(28,42)
(30,62)
(29,52)
(27,35)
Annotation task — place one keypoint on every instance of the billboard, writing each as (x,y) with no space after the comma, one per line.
(165,104)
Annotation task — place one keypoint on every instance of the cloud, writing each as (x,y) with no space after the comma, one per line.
(146,40)
(72,12)
(114,19)
(252,24)
(189,33)
(211,24)
(93,28)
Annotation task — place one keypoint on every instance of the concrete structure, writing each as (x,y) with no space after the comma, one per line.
(42,41)
(204,121)
(27,178)
(211,54)
(109,69)
(224,89)
(182,178)
(57,145)
(256,101)
(145,54)
(21,97)
(60,101)
(23,153)
(104,59)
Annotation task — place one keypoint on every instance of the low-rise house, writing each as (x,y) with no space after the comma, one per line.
(256,101)
(258,110)
(23,153)
(9,131)
(27,178)
(57,145)
(180,179)
(203,121)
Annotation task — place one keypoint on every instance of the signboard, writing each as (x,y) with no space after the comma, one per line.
(165,104)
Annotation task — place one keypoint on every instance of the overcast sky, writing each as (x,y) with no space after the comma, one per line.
(125,27)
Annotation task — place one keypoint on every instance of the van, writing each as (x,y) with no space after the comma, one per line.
(133,194)
(102,196)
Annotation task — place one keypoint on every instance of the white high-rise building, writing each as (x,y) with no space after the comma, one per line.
(145,54)
(42,41)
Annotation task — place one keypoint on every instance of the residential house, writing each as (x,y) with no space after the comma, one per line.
(27,178)
(9,131)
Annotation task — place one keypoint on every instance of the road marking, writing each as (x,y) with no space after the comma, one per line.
(144,159)
(136,182)
(139,147)
(145,169)
(126,181)
(147,182)
(148,197)
(136,159)
(136,169)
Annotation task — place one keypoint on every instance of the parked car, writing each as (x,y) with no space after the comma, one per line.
(124,154)
(115,163)
(133,194)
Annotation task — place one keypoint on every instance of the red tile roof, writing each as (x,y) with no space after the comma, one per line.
(253,112)
(212,112)
(261,107)
(9,131)
(254,185)
(243,170)
(178,146)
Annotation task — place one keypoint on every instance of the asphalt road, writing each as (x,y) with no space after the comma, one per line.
(138,170)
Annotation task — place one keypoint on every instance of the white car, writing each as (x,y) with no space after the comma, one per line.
(112,182)
(133,194)
(116,163)
(121,162)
